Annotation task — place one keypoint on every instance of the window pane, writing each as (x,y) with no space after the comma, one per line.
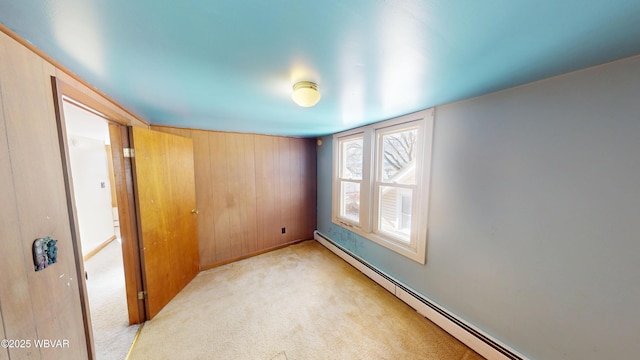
(351,159)
(395,211)
(399,150)
(350,201)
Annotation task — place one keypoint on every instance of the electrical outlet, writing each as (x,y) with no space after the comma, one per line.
(284,230)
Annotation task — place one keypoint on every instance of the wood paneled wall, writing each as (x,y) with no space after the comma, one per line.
(4,353)
(44,304)
(249,187)
(33,204)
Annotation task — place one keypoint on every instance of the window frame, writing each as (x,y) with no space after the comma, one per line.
(369,210)
(341,180)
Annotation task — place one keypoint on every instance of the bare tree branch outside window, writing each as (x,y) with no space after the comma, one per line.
(353,163)
(351,169)
(398,151)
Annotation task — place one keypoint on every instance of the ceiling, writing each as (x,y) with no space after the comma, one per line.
(230,65)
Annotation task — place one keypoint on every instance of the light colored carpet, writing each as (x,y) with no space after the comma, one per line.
(108,305)
(300,302)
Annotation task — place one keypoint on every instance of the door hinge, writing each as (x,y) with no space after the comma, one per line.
(129,152)
(142,295)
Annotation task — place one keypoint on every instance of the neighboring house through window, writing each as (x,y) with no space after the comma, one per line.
(381,182)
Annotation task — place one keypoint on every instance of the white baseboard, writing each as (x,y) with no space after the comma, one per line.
(477,340)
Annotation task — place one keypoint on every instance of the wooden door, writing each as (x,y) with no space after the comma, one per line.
(166,203)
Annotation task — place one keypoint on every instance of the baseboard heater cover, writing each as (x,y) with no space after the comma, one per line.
(480,342)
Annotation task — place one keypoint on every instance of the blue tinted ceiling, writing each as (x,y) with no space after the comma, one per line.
(230,65)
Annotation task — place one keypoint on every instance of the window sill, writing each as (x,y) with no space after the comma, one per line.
(417,254)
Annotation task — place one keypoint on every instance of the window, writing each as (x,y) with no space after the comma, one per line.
(381,178)
(350,178)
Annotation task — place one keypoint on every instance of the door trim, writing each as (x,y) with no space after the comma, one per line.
(126,209)
(123,173)
(73,218)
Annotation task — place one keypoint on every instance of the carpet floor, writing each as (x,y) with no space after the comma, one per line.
(300,302)
(108,305)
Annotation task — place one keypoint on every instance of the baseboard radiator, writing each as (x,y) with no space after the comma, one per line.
(467,334)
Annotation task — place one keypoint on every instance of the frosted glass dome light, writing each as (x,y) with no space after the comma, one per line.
(305,93)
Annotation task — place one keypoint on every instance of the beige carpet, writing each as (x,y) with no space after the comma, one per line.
(300,302)
(108,305)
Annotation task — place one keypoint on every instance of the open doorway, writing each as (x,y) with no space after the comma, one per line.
(92,175)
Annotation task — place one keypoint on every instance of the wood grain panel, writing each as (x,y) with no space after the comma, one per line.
(297,159)
(40,197)
(240,175)
(234,153)
(273,231)
(264,202)
(248,191)
(221,201)
(204,196)
(285,167)
(4,353)
(165,193)
(267,182)
(172,130)
(249,187)
(15,298)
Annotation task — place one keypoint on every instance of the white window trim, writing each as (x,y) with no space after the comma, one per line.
(338,181)
(416,250)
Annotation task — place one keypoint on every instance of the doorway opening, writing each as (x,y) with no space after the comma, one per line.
(96,202)
(164,213)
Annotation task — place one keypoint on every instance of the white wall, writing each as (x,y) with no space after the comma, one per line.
(87,135)
(89,170)
(534,221)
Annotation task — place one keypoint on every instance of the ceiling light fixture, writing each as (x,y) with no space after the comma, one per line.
(305,93)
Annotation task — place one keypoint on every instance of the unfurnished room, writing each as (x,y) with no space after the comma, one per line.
(386,179)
